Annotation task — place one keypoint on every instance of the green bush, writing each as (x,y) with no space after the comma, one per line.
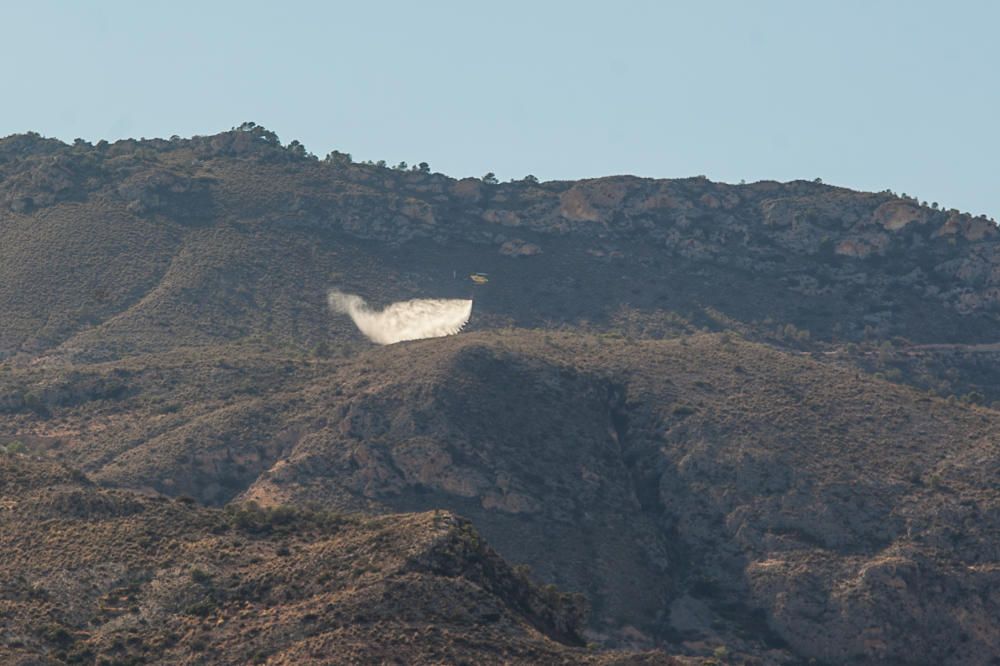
(34,402)
(201,576)
(251,517)
(12,448)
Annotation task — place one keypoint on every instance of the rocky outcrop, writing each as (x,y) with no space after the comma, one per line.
(519,248)
(894,215)
(158,190)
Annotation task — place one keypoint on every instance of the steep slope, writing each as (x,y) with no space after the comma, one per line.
(99,576)
(857,516)
(700,491)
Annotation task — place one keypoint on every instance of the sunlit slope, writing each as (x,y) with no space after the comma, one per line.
(91,575)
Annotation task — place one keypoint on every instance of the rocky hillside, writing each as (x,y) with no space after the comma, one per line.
(701,492)
(98,576)
(112,249)
(747,423)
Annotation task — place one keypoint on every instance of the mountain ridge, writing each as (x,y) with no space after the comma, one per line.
(746,422)
(806,240)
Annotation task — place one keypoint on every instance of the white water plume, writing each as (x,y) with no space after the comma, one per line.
(405,320)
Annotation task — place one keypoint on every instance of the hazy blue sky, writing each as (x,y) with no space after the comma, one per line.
(871,95)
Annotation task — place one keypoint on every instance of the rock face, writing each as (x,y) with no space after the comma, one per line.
(894,215)
(519,248)
(555,462)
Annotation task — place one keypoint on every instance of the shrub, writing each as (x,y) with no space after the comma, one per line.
(58,634)
(974,398)
(13,448)
(201,608)
(338,158)
(252,517)
(201,576)
(33,402)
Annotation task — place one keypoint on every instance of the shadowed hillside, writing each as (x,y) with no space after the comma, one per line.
(146,245)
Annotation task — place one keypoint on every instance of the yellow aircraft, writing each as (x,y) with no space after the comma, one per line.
(479,278)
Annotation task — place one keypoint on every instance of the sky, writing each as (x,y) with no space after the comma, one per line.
(870,95)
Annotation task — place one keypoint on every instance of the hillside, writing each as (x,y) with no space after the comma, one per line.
(141,246)
(747,423)
(700,491)
(154,581)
